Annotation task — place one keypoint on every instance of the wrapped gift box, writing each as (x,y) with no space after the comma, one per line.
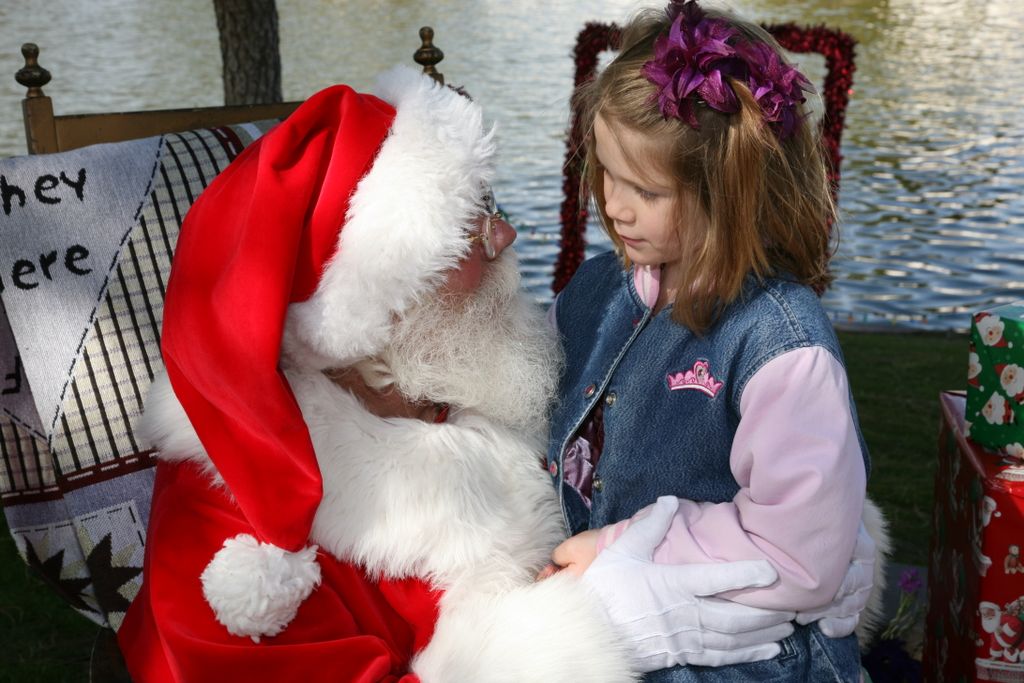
(975,622)
(995,379)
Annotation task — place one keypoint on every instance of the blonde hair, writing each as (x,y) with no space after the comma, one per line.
(767,203)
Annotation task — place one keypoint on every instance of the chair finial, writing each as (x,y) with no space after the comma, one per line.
(32,76)
(429,56)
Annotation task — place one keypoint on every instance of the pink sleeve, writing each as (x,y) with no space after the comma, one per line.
(798,461)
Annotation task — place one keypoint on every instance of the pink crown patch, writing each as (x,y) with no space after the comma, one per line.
(699,377)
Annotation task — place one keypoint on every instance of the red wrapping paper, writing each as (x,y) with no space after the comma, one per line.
(975,623)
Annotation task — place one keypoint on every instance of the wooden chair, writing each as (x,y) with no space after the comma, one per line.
(46,133)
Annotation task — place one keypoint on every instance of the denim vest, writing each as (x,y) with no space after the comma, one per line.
(671,398)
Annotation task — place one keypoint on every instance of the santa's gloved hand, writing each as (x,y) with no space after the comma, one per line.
(664,611)
(840,617)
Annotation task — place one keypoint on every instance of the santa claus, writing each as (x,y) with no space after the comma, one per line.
(351,424)
(1005,629)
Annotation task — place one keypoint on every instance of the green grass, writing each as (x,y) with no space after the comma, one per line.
(41,637)
(896,380)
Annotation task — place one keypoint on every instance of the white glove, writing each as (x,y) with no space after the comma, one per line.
(839,618)
(662,609)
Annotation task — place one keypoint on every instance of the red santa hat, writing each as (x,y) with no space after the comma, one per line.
(322,231)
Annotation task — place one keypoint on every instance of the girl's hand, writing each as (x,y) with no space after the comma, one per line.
(666,614)
(550,569)
(575,554)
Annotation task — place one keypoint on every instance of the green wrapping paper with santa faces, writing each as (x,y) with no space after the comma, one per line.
(995,380)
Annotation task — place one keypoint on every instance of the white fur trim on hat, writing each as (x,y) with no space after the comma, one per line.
(406,221)
(256,588)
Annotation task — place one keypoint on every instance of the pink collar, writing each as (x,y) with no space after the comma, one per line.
(647,282)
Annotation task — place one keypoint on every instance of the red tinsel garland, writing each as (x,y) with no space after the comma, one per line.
(837,48)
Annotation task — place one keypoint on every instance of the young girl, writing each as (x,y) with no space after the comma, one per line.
(704,397)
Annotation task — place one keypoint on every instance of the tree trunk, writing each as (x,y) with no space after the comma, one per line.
(249,50)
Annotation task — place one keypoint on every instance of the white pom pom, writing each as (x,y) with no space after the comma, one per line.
(256,588)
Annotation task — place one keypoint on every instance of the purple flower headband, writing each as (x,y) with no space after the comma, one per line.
(697,55)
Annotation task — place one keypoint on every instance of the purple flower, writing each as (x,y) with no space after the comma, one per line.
(693,61)
(777,87)
(910,581)
(693,58)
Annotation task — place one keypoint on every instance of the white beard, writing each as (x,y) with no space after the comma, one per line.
(491,351)
(990,615)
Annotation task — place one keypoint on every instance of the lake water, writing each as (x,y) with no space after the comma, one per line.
(931,195)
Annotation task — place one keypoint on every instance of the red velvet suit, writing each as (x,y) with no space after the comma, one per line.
(351,629)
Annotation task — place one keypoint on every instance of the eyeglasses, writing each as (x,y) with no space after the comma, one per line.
(485,236)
